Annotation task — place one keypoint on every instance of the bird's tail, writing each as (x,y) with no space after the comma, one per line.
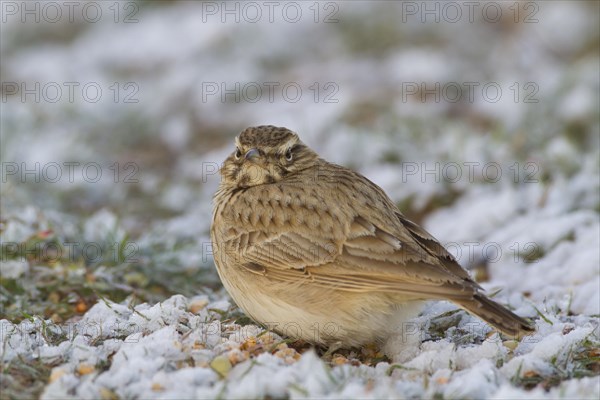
(497,315)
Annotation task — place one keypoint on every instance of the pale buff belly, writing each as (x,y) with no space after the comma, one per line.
(317,314)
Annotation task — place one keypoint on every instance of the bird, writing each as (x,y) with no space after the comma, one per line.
(317,252)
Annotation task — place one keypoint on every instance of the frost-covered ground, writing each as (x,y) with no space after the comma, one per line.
(112,132)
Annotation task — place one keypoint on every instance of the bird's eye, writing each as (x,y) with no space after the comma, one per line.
(238,153)
(289,155)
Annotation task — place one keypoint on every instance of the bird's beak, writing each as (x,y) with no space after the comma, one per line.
(252,155)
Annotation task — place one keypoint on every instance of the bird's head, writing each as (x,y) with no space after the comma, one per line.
(264,155)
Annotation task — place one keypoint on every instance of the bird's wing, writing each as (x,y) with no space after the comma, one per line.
(377,259)
(293,250)
(295,237)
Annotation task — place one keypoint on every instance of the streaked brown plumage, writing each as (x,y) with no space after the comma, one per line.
(319,252)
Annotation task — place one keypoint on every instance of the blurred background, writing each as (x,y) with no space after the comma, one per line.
(480,119)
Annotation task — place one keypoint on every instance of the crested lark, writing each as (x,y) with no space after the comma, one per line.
(318,252)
